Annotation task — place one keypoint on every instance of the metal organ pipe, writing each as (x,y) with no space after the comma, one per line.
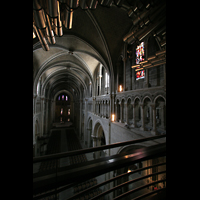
(73,3)
(39,24)
(39,15)
(82,4)
(59,27)
(49,31)
(119,2)
(106,2)
(41,38)
(53,10)
(92,4)
(67,18)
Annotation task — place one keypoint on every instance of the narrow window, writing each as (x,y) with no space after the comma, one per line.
(61,112)
(140,56)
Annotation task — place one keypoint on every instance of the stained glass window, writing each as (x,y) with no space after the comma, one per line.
(140,53)
(62,97)
(66,98)
(139,58)
(140,74)
(58,98)
(61,112)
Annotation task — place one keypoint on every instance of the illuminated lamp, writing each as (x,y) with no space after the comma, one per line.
(120,88)
(113,118)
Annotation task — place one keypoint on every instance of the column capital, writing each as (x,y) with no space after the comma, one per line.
(142,105)
(153,105)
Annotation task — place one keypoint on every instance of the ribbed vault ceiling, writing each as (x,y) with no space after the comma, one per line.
(96,37)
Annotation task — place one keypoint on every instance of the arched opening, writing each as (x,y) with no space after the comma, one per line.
(99,139)
(63,108)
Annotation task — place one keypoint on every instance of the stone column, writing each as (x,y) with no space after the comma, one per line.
(120,120)
(100,76)
(112,107)
(149,115)
(162,115)
(104,109)
(94,105)
(134,117)
(100,104)
(126,112)
(153,106)
(108,110)
(142,117)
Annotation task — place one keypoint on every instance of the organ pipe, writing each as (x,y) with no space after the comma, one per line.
(52,8)
(47,18)
(73,3)
(50,33)
(39,15)
(41,38)
(67,18)
(106,2)
(119,2)
(92,4)
(82,4)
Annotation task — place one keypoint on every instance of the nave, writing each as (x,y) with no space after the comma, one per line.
(63,139)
